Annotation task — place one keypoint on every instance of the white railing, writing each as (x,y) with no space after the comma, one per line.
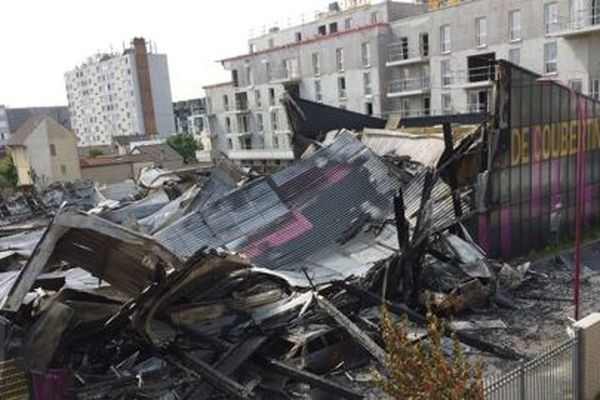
(581,20)
(398,52)
(285,74)
(409,85)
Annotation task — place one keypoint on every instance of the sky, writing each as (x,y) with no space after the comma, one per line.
(42,39)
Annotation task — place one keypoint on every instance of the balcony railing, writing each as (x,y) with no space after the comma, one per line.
(285,74)
(409,85)
(239,106)
(588,19)
(399,52)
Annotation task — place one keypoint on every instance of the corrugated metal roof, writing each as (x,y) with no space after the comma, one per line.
(425,149)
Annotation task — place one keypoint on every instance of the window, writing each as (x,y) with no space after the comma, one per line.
(316,64)
(369,108)
(405,108)
(477,101)
(275,142)
(426,106)
(227,125)
(333,27)
(424,43)
(576,85)
(514,25)
(260,125)
(447,107)
(404,48)
(298,36)
(550,53)
(446,72)
(225,102)
(367,83)
(322,30)
(550,18)
(230,144)
(248,75)
(365,53)
(274,121)
(481,31)
(257,98)
(514,56)
(271,96)
(63,170)
(341,87)
(595,89)
(271,43)
(347,23)
(268,71)
(339,59)
(261,142)
(318,92)
(445,39)
(52,150)
(374,17)
(252,48)
(247,143)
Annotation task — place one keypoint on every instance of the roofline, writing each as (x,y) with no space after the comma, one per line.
(307,41)
(214,85)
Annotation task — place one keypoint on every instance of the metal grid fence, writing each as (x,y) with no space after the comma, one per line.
(13,382)
(552,375)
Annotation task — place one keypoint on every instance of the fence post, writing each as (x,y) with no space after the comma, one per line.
(587,334)
(523,394)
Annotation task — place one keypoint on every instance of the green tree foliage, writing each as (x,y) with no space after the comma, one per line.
(93,153)
(185,144)
(8,173)
(419,370)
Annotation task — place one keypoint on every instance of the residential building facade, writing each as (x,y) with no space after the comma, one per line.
(334,59)
(189,115)
(126,93)
(44,151)
(442,61)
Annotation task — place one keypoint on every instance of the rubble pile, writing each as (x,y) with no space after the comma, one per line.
(237,285)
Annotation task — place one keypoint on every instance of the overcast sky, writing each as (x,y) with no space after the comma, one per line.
(41,39)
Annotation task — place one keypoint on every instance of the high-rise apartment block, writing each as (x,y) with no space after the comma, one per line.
(118,94)
(413,59)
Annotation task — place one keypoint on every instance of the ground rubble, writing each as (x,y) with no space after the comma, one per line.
(236,285)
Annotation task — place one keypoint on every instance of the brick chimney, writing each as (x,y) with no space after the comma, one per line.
(143,73)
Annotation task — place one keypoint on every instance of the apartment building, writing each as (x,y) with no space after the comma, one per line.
(442,62)
(189,115)
(116,94)
(335,58)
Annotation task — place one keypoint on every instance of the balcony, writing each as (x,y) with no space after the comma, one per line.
(237,107)
(408,87)
(285,75)
(399,55)
(586,22)
(261,154)
(473,78)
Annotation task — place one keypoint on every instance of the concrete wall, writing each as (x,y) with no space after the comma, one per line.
(111,173)
(65,164)
(21,161)
(161,93)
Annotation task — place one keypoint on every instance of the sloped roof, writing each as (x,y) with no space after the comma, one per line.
(18,138)
(157,152)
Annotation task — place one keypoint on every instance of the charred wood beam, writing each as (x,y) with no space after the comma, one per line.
(466,338)
(451,176)
(200,369)
(353,330)
(303,376)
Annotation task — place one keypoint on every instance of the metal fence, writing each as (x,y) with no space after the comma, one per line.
(552,375)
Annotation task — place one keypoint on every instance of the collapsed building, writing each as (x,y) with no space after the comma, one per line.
(236,284)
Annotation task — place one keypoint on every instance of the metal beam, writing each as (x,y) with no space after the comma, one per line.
(467,119)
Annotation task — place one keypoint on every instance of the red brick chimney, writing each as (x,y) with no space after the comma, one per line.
(143,73)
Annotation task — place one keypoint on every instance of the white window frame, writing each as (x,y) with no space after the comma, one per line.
(445,39)
(446,72)
(260,122)
(274,121)
(447,106)
(550,60)
(342,89)
(481,32)
(367,83)
(318,90)
(550,18)
(257,98)
(316,64)
(365,54)
(339,59)
(514,25)
(595,88)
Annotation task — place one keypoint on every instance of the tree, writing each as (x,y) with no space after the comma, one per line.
(185,144)
(8,173)
(420,370)
(93,153)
